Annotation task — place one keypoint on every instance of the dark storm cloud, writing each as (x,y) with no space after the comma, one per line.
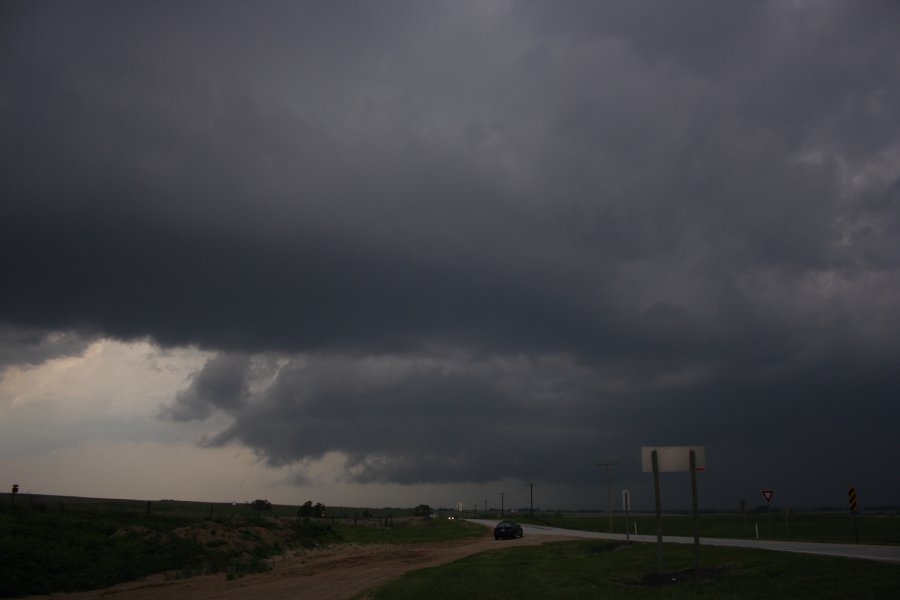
(437,417)
(221,384)
(683,214)
(446,417)
(30,347)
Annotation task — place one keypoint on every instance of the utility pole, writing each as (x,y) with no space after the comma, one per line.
(502,494)
(607,465)
(531,512)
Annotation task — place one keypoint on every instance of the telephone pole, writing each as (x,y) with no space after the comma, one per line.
(531,510)
(607,465)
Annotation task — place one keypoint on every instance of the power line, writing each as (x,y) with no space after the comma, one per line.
(607,465)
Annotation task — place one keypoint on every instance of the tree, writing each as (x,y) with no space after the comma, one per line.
(261,505)
(422,510)
(307,510)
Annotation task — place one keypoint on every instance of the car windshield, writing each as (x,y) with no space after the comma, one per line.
(506,524)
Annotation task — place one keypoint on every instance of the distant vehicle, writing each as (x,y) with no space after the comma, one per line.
(508,529)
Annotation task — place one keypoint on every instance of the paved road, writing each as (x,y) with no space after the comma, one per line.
(866,551)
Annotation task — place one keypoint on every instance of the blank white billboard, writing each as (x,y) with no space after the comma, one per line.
(672,459)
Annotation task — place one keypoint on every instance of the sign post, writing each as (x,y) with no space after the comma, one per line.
(851,493)
(626,506)
(768,494)
(674,459)
(659,561)
(693,459)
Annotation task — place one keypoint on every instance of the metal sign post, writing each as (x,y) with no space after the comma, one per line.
(674,459)
(851,493)
(655,458)
(696,511)
(626,506)
(768,494)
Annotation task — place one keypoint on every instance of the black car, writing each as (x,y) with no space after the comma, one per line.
(508,529)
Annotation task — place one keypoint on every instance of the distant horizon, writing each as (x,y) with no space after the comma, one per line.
(751,509)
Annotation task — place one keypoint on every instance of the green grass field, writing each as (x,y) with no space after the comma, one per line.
(600,569)
(805,526)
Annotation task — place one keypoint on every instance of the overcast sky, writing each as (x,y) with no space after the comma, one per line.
(386,253)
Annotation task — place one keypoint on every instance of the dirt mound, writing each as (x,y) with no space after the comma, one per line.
(145,534)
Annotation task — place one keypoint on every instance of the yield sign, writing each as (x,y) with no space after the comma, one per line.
(767,494)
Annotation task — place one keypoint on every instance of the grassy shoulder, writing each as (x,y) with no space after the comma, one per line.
(48,548)
(601,569)
(411,531)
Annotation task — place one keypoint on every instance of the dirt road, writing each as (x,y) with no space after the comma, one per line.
(335,573)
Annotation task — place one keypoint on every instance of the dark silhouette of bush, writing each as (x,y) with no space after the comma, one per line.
(307,510)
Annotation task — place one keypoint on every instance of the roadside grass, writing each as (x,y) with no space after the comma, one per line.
(50,547)
(412,531)
(799,526)
(602,569)
(46,550)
